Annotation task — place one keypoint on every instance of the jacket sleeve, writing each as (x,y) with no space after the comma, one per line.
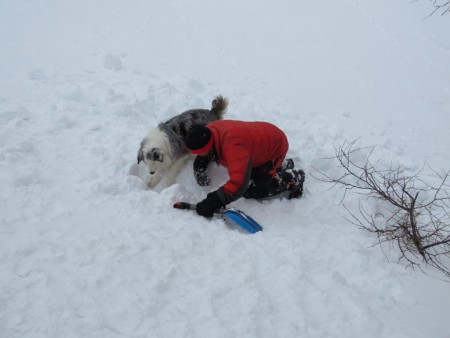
(239,170)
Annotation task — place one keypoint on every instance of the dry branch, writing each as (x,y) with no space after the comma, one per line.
(441,5)
(419,222)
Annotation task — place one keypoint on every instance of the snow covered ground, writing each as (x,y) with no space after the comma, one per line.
(87,251)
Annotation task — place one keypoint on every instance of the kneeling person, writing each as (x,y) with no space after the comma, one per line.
(253,153)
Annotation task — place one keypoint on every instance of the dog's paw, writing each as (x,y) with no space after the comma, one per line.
(154,180)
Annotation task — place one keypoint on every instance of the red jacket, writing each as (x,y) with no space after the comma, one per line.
(241,146)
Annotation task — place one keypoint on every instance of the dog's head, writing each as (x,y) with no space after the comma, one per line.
(155,151)
(153,158)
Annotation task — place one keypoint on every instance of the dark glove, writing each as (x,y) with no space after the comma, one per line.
(202,178)
(200,165)
(206,207)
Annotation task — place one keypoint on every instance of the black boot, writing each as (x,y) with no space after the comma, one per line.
(290,180)
(288,163)
(295,186)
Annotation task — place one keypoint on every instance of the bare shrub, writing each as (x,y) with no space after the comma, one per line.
(442,6)
(418,219)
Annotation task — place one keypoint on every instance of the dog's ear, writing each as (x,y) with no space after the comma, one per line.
(140,155)
(156,154)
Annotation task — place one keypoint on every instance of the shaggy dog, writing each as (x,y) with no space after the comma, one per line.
(163,149)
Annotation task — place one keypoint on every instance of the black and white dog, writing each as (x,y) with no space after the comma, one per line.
(163,149)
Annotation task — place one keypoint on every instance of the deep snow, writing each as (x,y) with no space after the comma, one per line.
(87,251)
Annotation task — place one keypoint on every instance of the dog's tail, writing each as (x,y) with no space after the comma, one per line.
(219,106)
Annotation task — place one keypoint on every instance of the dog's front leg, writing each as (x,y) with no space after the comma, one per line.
(154,180)
(175,169)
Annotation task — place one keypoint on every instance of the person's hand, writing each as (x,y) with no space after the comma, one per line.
(202,178)
(200,165)
(206,207)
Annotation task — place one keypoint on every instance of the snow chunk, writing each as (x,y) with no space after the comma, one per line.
(112,62)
